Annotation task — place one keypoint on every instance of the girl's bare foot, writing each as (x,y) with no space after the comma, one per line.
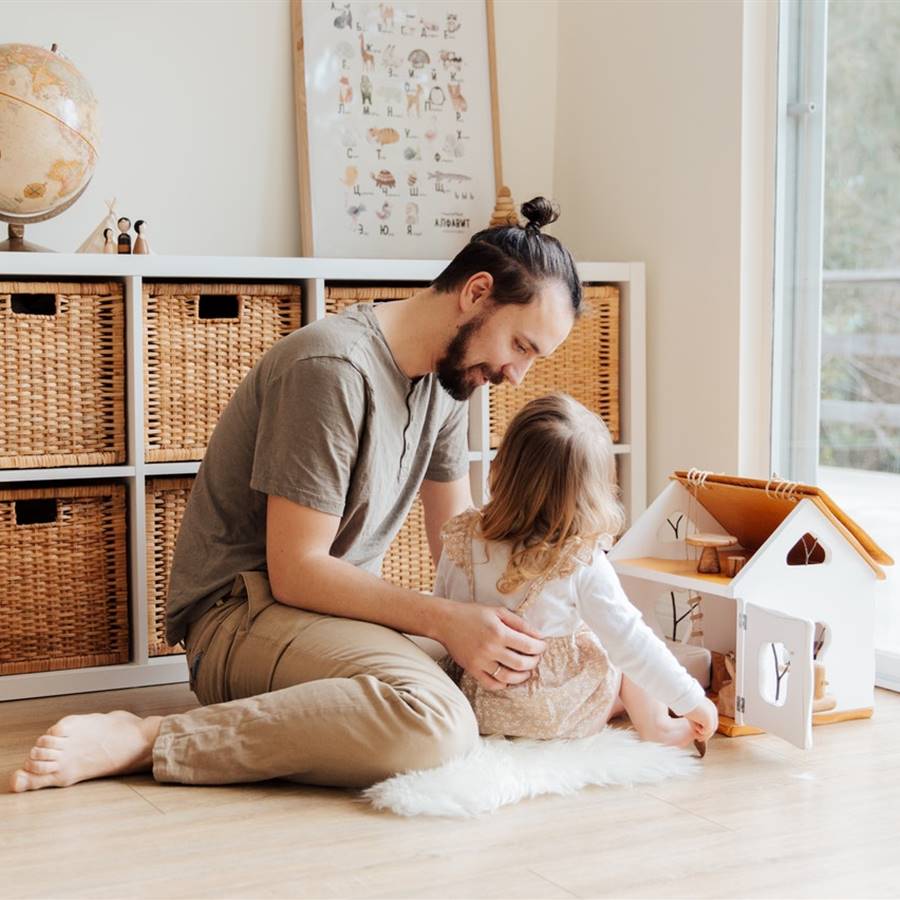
(77,748)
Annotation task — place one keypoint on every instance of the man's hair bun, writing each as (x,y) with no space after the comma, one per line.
(539,212)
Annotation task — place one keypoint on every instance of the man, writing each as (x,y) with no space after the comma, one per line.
(295,646)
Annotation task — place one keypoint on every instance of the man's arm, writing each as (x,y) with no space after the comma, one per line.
(442,500)
(302,573)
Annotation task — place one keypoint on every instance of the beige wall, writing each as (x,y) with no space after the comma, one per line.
(648,168)
(197,102)
(527,45)
(198,119)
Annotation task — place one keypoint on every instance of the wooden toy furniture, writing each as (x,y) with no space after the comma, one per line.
(709,545)
(797,613)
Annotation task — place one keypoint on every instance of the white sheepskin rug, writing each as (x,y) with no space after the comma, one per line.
(500,771)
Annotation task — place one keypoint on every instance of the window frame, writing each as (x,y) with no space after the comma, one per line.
(799,217)
(798,256)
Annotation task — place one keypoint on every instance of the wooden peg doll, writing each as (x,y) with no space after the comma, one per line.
(109,245)
(124,242)
(140,242)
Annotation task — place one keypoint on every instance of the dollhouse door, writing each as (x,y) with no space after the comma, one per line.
(774,674)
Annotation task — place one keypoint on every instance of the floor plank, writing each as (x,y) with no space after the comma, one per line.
(763,820)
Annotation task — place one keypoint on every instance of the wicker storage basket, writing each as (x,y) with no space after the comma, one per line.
(63,578)
(166,499)
(201,340)
(585,366)
(339,297)
(62,374)
(408,559)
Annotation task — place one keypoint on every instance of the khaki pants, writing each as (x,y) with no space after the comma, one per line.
(311,698)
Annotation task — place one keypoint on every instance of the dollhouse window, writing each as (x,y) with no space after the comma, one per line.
(673,613)
(821,640)
(808,551)
(676,527)
(774,673)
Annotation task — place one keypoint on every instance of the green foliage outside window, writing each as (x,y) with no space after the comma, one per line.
(860,416)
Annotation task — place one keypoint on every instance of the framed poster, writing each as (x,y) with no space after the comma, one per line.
(397,125)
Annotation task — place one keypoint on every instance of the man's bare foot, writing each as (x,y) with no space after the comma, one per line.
(77,748)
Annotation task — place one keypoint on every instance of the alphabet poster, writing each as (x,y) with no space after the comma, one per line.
(399,131)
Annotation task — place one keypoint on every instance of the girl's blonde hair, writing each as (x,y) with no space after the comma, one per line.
(553,487)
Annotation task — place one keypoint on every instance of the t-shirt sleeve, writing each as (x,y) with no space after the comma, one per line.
(630,642)
(450,455)
(311,420)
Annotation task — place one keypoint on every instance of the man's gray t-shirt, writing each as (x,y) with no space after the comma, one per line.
(325,419)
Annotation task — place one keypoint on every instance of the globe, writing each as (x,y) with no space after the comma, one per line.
(49,136)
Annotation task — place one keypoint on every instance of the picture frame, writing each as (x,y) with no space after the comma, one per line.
(397,119)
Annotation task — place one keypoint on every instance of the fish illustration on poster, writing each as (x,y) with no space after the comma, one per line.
(398,111)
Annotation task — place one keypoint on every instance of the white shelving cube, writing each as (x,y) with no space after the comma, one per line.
(312,275)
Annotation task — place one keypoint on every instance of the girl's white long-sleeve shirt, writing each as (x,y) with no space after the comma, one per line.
(593,595)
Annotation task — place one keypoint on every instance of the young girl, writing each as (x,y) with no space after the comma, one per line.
(538,548)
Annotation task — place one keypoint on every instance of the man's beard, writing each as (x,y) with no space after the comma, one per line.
(455,378)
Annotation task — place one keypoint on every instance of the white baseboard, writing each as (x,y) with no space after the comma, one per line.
(887,670)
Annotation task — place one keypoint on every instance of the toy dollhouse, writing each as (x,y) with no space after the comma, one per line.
(775,576)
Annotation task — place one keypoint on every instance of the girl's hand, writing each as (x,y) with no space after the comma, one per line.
(704,719)
(494,645)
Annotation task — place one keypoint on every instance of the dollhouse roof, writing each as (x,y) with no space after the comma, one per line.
(751,509)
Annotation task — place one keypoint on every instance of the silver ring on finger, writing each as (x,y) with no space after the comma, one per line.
(494,673)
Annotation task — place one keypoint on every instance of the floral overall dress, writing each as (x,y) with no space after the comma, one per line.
(574,686)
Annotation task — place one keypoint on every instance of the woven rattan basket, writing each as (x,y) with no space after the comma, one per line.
(63,578)
(201,340)
(166,499)
(408,560)
(62,374)
(585,366)
(339,297)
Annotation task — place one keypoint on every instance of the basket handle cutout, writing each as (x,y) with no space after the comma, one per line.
(217,306)
(34,304)
(35,512)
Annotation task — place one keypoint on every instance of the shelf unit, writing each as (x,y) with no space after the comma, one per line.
(312,275)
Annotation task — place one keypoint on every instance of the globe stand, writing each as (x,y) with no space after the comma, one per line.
(18,244)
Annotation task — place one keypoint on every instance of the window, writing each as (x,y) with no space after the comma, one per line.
(836,397)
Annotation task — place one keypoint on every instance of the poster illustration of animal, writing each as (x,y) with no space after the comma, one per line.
(399,126)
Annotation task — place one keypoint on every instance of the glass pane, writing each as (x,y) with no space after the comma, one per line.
(862,136)
(859,425)
(859,431)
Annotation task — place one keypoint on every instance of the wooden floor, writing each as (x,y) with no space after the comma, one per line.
(764,820)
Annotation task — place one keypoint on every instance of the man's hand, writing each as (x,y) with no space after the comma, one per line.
(494,645)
